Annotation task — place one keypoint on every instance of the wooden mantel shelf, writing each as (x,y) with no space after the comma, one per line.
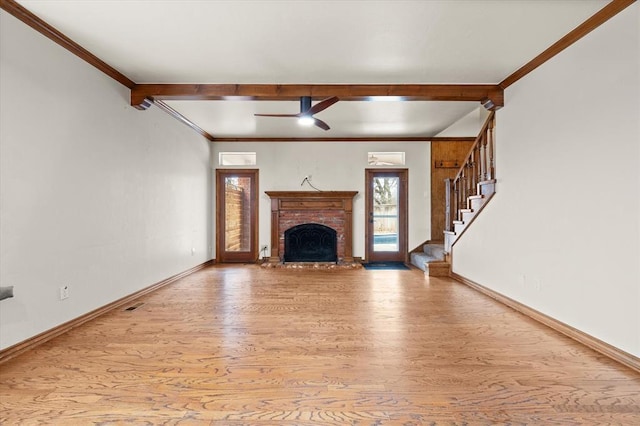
(309,201)
(311,194)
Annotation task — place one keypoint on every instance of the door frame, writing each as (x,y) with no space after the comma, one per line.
(403,208)
(223,256)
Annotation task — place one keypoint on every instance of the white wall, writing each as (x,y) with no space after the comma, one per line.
(93,193)
(336,166)
(562,234)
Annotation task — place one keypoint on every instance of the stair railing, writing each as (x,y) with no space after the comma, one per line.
(478,167)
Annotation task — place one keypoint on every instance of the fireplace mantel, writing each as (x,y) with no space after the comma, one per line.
(305,202)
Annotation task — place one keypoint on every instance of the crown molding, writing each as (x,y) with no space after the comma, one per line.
(175,114)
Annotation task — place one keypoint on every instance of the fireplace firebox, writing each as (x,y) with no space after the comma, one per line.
(310,242)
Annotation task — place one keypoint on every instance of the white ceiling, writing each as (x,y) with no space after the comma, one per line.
(317,42)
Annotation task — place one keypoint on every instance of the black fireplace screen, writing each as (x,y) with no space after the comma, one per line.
(310,242)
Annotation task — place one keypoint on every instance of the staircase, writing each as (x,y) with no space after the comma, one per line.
(473,186)
(465,196)
(475,203)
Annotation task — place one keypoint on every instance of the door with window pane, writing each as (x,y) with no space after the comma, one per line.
(386,199)
(236,219)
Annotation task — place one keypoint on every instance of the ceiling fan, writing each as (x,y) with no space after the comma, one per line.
(305,116)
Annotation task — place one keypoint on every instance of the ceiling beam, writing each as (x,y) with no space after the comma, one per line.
(490,95)
(351,139)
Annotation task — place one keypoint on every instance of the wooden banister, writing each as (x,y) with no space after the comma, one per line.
(477,167)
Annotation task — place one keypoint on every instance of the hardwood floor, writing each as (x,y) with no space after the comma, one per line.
(245,345)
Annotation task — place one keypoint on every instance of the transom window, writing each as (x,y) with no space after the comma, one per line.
(385,158)
(237,158)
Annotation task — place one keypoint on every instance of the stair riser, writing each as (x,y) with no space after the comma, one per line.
(438,270)
(486,188)
(467,216)
(476,203)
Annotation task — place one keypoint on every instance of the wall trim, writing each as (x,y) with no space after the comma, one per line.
(594,343)
(31,343)
(184,120)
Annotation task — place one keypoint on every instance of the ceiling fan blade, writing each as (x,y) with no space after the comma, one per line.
(276,115)
(322,105)
(321,124)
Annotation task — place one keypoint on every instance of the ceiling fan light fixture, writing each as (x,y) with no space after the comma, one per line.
(306,120)
(305,116)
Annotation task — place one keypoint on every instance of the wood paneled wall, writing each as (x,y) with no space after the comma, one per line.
(446,160)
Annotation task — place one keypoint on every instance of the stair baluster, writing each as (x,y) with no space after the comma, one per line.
(483,161)
(449,205)
(490,135)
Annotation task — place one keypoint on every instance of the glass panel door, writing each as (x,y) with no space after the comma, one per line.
(386,198)
(237,216)
(385,214)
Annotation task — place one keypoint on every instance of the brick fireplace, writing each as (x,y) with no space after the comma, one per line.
(329,208)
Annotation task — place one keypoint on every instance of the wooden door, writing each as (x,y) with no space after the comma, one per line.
(386,214)
(237,215)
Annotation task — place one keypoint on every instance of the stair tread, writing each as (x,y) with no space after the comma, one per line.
(475,197)
(458,222)
(466,210)
(449,232)
(487,182)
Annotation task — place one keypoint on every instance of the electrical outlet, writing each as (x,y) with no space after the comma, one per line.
(64,292)
(193,251)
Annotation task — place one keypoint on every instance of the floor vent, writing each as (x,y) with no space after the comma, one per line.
(134,307)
